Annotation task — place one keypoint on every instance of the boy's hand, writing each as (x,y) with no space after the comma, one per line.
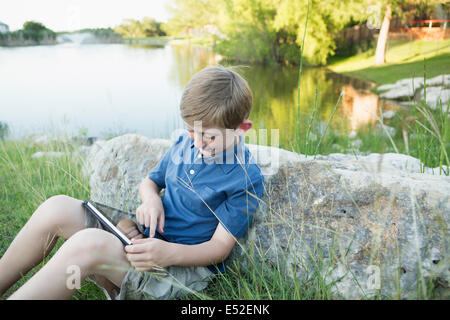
(151,213)
(145,254)
(129,228)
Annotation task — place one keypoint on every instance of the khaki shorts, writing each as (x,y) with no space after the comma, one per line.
(167,283)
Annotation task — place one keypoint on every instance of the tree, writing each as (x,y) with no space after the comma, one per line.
(380,52)
(34,26)
(325,19)
(36,31)
(190,14)
(270,31)
(149,27)
(406,9)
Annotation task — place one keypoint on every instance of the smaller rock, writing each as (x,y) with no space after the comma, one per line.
(385,87)
(435,95)
(399,93)
(442,80)
(411,82)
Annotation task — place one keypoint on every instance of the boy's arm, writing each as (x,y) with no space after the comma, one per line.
(151,211)
(210,252)
(145,253)
(148,190)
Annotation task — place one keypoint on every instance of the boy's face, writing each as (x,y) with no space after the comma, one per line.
(212,141)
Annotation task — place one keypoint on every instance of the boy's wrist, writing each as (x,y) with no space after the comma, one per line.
(176,255)
(150,198)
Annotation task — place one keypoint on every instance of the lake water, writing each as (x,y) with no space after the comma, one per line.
(108,89)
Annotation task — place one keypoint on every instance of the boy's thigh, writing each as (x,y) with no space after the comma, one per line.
(171,282)
(101,252)
(64,213)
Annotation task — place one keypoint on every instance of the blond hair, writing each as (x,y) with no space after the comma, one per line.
(217,96)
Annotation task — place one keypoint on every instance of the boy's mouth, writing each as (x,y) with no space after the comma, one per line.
(207,152)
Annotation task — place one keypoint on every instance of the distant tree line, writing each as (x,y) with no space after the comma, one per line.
(148,27)
(103,35)
(32,33)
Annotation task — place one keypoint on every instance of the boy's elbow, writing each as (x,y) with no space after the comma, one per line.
(223,250)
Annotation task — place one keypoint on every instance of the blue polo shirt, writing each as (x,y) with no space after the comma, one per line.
(202,191)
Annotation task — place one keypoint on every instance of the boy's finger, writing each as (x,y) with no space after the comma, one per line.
(138,217)
(133,233)
(161,223)
(137,258)
(147,221)
(139,240)
(153,222)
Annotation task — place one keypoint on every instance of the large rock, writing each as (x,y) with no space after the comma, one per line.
(403,89)
(116,167)
(344,219)
(435,96)
(412,89)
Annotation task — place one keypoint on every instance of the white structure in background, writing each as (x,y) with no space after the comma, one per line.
(3,28)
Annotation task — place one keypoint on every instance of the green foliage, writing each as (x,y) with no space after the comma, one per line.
(33,26)
(269,31)
(148,27)
(251,36)
(190,14)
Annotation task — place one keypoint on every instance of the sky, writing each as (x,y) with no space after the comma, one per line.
(68,15)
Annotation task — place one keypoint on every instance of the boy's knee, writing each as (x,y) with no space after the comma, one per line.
(61,209)
(90,247)
(58,202)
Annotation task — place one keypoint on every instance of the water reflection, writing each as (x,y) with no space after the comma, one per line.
(137,88)
(360,106)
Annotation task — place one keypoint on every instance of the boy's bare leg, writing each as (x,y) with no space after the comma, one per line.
(88,252)
(59,216)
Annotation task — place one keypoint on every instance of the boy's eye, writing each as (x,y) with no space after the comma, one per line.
(209,137)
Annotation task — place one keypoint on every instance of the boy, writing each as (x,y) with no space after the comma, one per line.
(211,186)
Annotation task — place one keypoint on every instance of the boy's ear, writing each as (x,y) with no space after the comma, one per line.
(244,127)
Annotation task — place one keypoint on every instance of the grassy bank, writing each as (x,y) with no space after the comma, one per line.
(26,182)
(404,59)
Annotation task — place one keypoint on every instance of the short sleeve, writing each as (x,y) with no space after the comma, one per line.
(236,212)
(158,172)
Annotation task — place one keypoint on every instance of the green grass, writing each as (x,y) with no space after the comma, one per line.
(25,183)
(404,59)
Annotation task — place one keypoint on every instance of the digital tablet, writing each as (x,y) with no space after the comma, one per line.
(106,223)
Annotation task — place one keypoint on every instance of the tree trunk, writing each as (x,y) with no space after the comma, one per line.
(383,37)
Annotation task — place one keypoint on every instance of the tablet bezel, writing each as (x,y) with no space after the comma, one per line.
(106,223)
